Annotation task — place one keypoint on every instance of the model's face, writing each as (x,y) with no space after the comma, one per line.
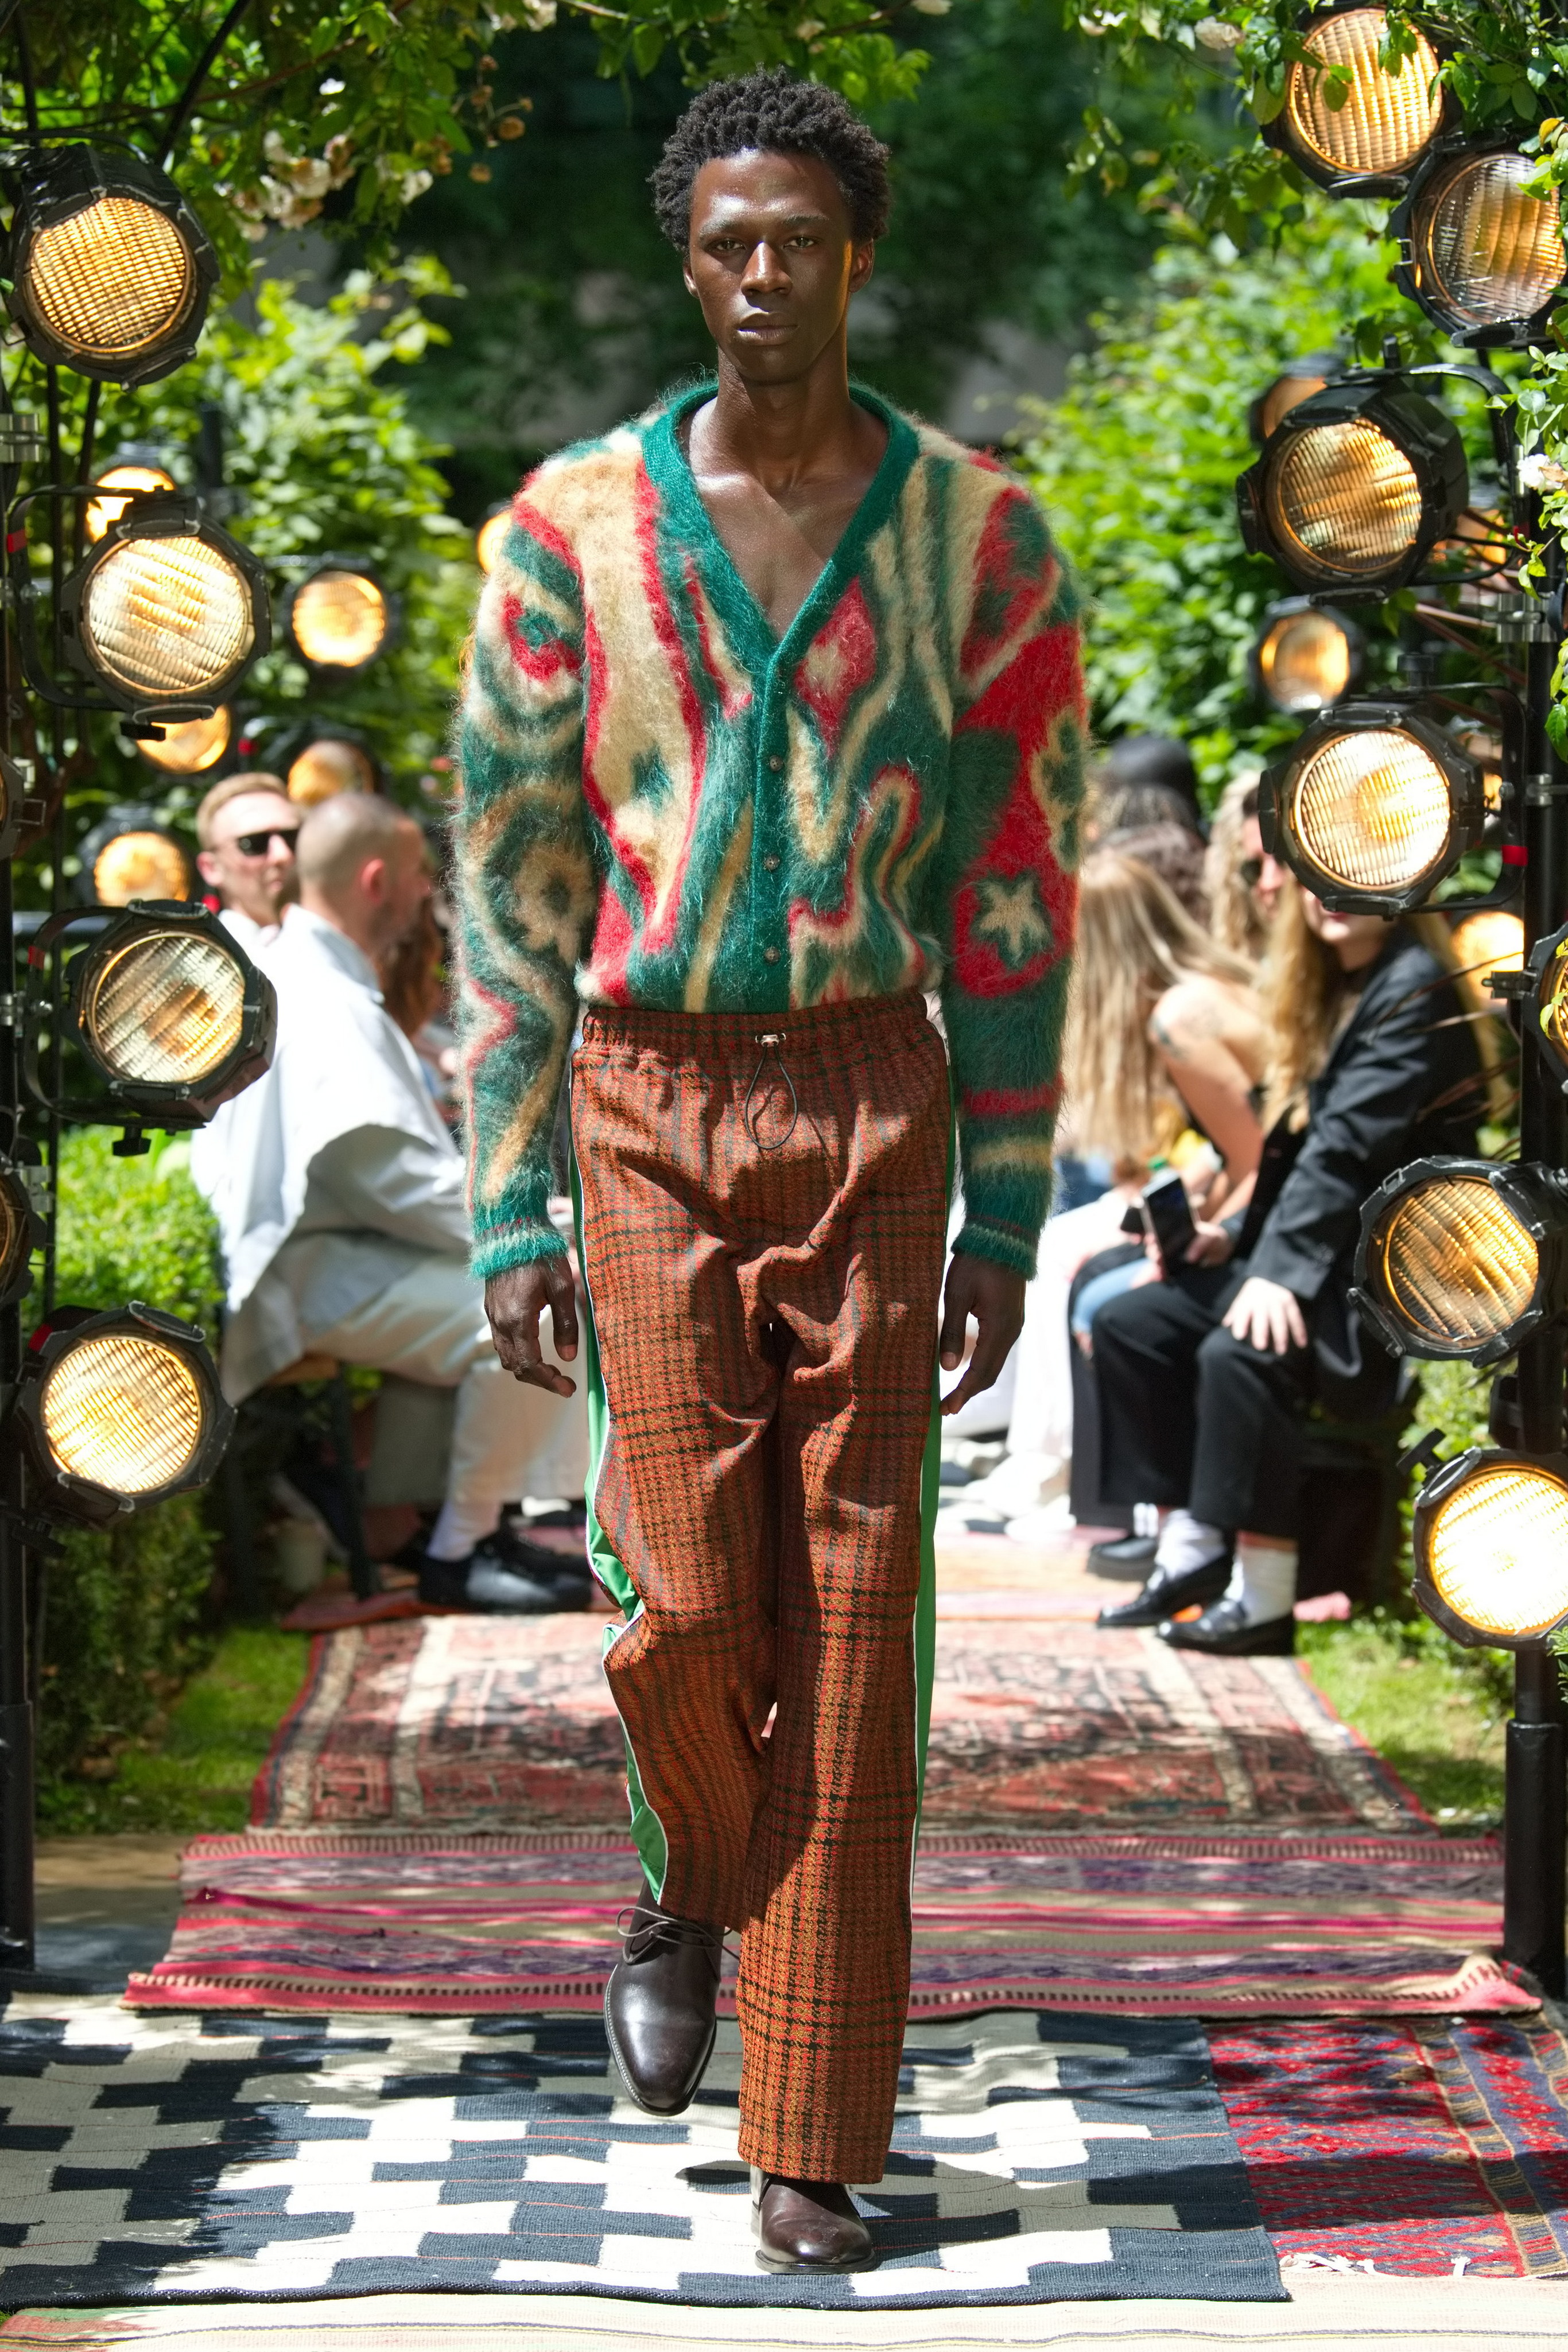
(1355,940)
(772,261)
(251,862)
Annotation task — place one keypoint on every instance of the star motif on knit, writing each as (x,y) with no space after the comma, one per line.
(1013,917)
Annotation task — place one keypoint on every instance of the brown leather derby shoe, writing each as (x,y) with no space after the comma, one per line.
(658,2007)
(807,2225)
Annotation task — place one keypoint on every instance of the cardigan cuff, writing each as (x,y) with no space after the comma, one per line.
(1003,1244)
(517,1244)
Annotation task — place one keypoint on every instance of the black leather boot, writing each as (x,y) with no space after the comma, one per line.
(807,2225)
(658,2007)
(1168,1590)
(1224,1632)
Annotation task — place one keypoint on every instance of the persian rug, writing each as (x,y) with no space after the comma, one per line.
(1420,2146)
(1036,2156)
(474,1723)
(1132,1925)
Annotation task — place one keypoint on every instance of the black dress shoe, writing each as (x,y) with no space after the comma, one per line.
(1168,1590)
(659,2007)
(486,1582)
(807,2225)
(1223,1628)
(1123,1556)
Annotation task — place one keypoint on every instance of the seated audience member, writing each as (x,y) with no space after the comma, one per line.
(1164,1038)
(1202,1379)
(414,991)
(1243,884)
(246,831)
(1177,854)
(340,1197)
(1136,764)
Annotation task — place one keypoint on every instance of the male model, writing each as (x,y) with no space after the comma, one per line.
(773,724)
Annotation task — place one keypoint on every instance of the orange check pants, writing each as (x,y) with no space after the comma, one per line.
(764,1269)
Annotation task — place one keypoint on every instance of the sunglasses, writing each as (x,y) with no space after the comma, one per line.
(1250,872)
(257,845)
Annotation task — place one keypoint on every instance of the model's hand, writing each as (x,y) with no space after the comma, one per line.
(993,1295)
(515,1300)
(1266,1314)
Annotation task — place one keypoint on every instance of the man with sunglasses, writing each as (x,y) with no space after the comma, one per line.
(247,828)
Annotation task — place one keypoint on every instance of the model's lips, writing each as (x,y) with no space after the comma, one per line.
(765,327)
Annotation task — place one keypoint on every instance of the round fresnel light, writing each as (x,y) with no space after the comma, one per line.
(1490,940)
(1382,123)
(1482,257)
(21,1233)
(340,618)
(119,1411)
(1373,807)
(1490,1543)
(167,612)
(327,765)
(1307,657)
(109,270)
(172,1013)
(489,536)
(1545,1007)
(191,745)
(1355,487)
(133,855)
(1460,1259)
(131,472)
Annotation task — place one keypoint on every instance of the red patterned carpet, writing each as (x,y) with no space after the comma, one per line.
(475,1724)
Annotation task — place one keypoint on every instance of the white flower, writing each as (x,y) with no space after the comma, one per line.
(931,7)
(808,28)
(411,184)
(539,14)
(1214,33)
(1538,472)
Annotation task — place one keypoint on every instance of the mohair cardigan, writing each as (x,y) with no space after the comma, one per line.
(663,805)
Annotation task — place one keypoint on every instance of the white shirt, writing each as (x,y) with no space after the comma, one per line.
(331,1175)
(254,938)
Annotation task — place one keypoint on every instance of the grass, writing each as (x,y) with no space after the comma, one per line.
(198,1776)
(1435,1713)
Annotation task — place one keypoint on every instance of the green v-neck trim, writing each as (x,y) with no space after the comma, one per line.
(672,476)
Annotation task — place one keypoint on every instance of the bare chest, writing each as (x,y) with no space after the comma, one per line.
(779,544)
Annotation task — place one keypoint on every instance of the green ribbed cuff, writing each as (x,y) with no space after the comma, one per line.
(505,1246)
(1003,1244)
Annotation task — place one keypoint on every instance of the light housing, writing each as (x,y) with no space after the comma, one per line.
(167,613)
(340,618)
(1545,1004)
(119,1410)
(319,765)
(110,272)
(1459,1259)
(135,470)
(1356,486)
(22,1232)
(170,1012)
(1296,381)
(1307,656)
(1489,1536)
(1367,146)
(490,535)
(188,747)
(1489,941)
(133,855)
(1373,806)
(1483,259)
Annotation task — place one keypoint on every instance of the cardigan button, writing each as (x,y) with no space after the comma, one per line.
(771,861)
(770,955)
(775,764)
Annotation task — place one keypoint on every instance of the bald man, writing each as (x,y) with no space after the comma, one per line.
(340,1195)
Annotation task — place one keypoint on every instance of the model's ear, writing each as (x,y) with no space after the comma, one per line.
(863,260)
(685,273)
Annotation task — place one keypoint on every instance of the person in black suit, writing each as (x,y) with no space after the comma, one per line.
(1202,1379)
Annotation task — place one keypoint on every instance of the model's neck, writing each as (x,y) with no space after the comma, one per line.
(779,432)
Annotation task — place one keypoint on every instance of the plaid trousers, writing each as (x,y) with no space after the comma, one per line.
(763,1220)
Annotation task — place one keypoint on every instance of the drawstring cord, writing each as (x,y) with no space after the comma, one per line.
(769,1040)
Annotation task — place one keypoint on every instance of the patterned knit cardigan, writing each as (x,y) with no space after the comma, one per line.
(665,806)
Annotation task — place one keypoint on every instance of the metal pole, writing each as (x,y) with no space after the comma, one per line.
(17,1913)
(1535,1802)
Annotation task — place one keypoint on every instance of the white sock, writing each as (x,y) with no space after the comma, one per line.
(1264,1577)
(460,1527)
(1185,1542)
(1146,1518)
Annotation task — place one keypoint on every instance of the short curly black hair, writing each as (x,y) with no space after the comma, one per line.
(771,111)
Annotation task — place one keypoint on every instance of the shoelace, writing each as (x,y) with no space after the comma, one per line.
(769,1040)
(661,1929)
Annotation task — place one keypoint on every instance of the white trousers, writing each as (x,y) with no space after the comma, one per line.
(510,1439)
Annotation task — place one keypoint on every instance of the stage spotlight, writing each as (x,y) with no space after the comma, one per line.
(172,1013)
(21,1233)
(1460,1260)
(131,470)
(340,618)
(1491,941)
(490,535)
(133,855)
(110,271)
(1373,806)
(167,612)
(1307,657)
(1355,487)
(190,745)
(1294,383)
(329,764)
(119,1410)
(1490,1544)
(1483,259)
(1383,122)
(1546,1002)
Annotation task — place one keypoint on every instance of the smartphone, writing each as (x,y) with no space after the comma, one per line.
(1170,1219)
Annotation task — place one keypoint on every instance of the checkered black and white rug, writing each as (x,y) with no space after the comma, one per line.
(1037,2156)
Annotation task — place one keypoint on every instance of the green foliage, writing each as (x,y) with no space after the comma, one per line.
(134,1229)
(1416,1698)
(1137,467)
(192,1772)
